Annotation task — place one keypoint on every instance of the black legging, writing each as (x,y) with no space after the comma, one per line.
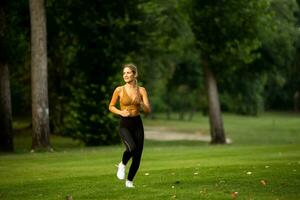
(132,134)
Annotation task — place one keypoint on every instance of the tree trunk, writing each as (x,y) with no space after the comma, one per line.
(215,118)
(39,84)
(6,135)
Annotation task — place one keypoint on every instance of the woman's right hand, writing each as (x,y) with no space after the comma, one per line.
(125,113)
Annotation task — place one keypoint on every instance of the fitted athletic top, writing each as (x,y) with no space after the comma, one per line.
(127,103)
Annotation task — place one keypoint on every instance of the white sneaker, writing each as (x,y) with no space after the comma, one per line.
(129,184)
(121,171)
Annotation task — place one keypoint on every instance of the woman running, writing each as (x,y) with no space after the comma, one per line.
(132,100)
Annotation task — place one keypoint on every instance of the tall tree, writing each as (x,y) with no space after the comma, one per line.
(39,84)
(6,135)
(225,34)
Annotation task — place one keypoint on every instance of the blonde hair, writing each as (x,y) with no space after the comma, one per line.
(133,68)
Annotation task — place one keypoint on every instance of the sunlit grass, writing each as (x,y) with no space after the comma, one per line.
(269,128)
(263,162)
(166,172)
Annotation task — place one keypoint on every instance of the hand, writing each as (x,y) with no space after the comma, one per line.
(125,113)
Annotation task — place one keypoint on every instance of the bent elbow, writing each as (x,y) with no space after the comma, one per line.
(110,107)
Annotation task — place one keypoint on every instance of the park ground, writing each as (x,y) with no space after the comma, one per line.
(261,162)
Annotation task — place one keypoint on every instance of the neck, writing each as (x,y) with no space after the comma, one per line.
(131,84)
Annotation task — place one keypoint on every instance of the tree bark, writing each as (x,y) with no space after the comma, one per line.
(39,84)
(6,135)
(215,118)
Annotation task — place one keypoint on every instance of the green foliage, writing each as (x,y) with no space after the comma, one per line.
(14,45)
(226,31)
(13,33)
(249,39)
(226,35)
(168,47)
(88,43)
(184,88)
(278,55)
(89,40)
(243,97)
(20,95)
(87,117)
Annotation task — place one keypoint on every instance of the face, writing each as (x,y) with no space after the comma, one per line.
(128,75)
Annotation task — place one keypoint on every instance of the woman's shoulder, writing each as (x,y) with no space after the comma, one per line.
(119,88)
(142,89)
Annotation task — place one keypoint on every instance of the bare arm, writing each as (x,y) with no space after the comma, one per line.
(112,105)
(145,104)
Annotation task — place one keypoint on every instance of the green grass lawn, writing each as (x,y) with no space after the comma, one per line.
(263,162)
(270,128)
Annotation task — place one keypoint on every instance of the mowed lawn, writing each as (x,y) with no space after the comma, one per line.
(263,162)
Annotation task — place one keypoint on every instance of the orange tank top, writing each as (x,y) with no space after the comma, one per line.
(127,103)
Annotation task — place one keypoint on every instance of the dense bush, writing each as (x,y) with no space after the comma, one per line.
(88,118)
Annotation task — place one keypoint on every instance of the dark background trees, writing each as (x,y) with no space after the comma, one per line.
(226,36)
(251,48)
(10,47)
